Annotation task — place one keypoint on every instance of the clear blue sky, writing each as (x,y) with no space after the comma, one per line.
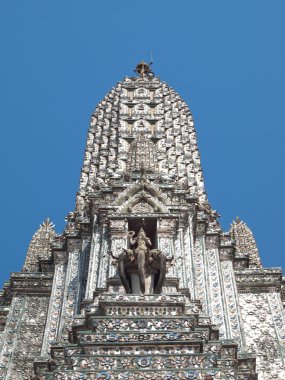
(58,60)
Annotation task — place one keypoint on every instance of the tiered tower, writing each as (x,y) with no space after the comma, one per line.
(143,283)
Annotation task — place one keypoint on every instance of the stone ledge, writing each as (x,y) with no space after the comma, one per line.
(31,283)
(258,280)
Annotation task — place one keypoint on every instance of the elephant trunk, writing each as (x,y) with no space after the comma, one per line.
(141,269)
(162,274)
(122,274)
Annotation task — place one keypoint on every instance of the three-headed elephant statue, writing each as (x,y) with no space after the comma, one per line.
(142,262)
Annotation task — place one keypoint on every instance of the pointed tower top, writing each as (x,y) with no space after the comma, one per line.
(47,224)
(245,242)
(39,246)
(141,120)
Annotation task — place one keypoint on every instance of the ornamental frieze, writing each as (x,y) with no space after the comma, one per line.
(103,325)
(213,374)
(140,337)
(148,362)
(258,280)
(157,311)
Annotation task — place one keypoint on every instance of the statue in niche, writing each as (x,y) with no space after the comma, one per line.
(141,245)
(141,269)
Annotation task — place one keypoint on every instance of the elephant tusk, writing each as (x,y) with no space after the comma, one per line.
(110,253)
(170,259)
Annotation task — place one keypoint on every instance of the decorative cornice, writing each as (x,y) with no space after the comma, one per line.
(31,283)
(253,280)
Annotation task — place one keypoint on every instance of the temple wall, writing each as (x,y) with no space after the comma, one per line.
(23,336)
(264,331)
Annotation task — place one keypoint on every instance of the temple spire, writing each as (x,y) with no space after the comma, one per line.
(245,242)
(39,247)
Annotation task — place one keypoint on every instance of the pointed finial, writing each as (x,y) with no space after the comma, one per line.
(143,69)
(47,223)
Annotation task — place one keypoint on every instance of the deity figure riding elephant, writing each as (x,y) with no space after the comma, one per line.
(143,260)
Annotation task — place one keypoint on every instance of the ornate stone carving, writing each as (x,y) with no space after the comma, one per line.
(28,314)
(245,243)
(258,280)
(142,208)
(264,332)
(142,154)
(150,106)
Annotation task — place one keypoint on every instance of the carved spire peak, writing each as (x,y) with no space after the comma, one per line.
(245,242)
(39,246)
(47,224)
(141,120)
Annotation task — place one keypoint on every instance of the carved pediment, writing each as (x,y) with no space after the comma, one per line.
(142,202)
(142,207)
(137,188)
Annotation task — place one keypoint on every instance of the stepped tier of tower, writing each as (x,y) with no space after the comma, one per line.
(142,337)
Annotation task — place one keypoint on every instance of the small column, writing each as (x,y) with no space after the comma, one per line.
(118,240)
(71,289)
(166,230)
(218,309)
(94,258)
(55,304)
(188,249)
(183,256)
(104,258)
(200,268)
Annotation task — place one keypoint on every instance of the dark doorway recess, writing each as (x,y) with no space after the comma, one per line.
(149,226)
